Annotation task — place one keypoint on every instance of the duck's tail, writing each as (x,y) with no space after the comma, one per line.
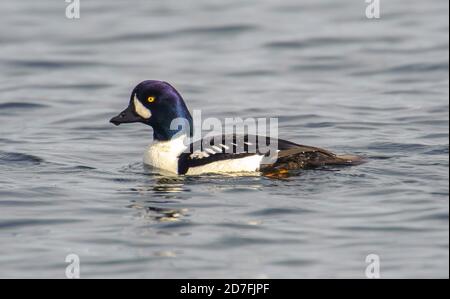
(303,157)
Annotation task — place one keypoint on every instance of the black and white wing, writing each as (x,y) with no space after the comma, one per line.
(230,147)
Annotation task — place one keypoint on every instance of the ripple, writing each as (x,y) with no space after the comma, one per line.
(226,29)
(21,203)
(127,37)
(82,86)
(192,31)
(279,211)
(329,41)
(239,226)
(320,125)
(294,262)
(242,241)
(311,42)
(411,68)
(51,64)
(441,216)
(20,106)
(321,67)
(398,147)
(19,159)
(252,73)
(386,229)
(7,224)
(438,150)
(419,68)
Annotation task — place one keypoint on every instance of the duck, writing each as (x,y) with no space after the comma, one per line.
(159,105)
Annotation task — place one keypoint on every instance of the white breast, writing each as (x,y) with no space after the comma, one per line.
(164,154)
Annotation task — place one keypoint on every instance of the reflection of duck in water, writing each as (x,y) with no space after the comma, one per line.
(160,214)
(158,104)
(165,190)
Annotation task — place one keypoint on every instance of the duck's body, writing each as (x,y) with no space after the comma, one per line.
(172,150)
(176,157)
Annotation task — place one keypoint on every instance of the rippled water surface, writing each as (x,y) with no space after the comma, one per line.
(70,182)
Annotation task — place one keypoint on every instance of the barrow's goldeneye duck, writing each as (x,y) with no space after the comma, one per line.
(159,105)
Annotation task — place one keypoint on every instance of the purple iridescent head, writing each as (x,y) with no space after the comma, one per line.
(159,105)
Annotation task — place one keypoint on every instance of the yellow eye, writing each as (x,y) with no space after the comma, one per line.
(151,99)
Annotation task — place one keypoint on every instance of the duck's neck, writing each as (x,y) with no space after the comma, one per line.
(168,130)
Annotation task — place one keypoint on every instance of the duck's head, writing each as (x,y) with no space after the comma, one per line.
(157,104)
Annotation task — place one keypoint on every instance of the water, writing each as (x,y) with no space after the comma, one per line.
(70,182)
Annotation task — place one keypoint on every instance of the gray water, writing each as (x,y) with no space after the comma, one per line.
(70,182)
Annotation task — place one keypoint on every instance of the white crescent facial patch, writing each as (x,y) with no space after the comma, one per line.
(140,109)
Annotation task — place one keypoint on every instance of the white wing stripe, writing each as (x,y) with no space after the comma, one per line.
(210,151)
(217,149)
